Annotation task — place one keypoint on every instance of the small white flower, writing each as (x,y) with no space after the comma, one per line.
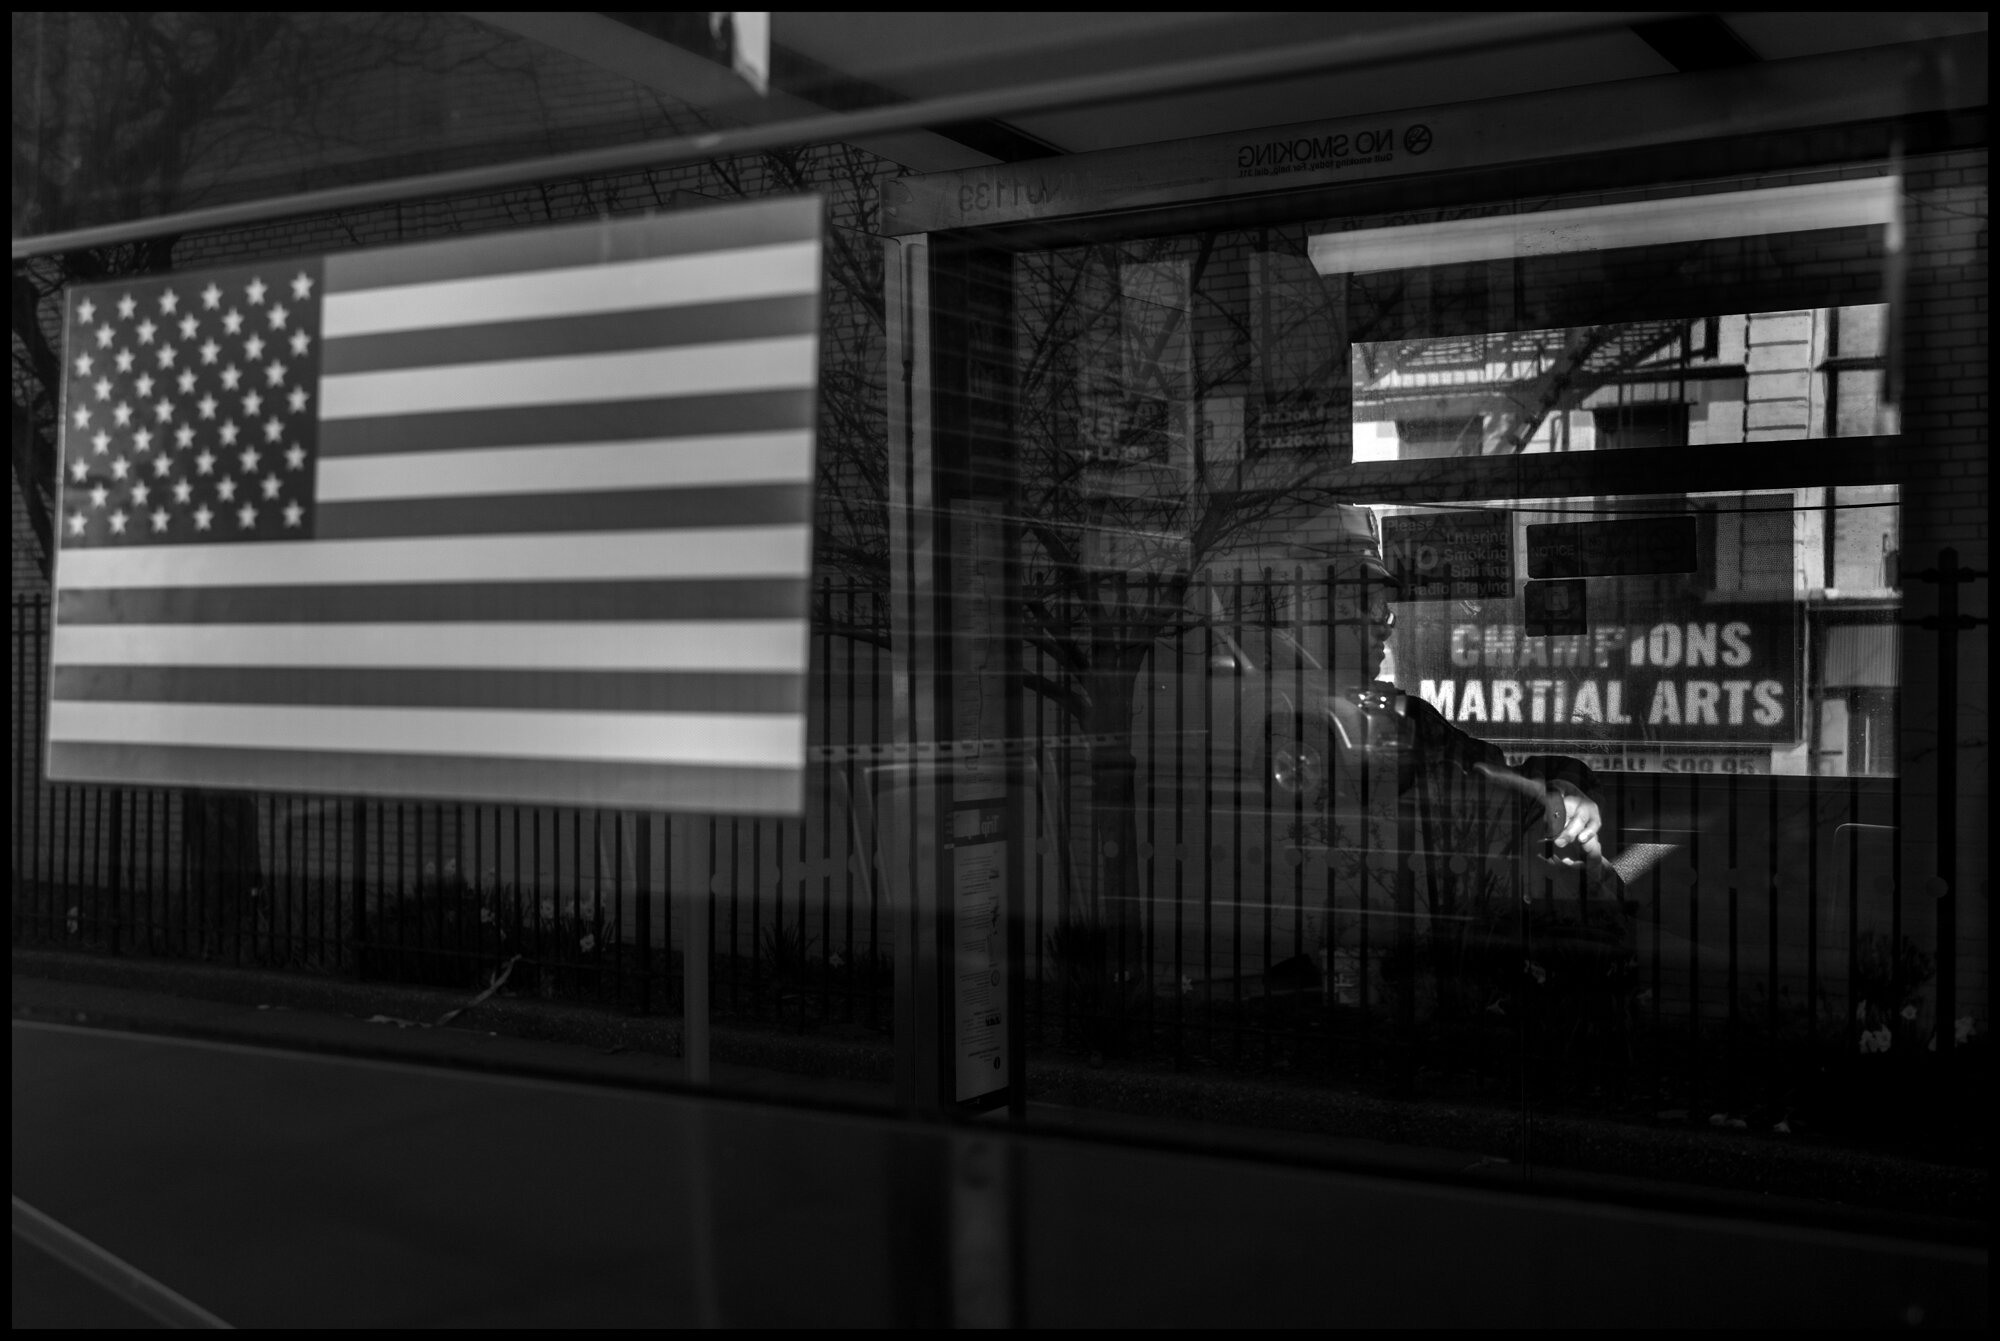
(485,917)
(1910,1012)
(588,943)
(835,961)
(430,868)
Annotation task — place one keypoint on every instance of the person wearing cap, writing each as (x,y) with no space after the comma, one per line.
(1411,794)
(1362,620)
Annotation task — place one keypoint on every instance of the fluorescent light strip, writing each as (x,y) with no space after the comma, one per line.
(1639,223)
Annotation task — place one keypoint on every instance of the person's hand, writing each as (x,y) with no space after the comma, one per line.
(1574,824)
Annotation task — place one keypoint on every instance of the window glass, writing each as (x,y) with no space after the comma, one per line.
(1313,653)
(1208,613)
(1694,381)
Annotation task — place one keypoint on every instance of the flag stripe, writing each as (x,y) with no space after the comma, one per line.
(595,243)
(597,421)
(595,691)
(749,551)
(705,323)
(535,514)
(751,644)
(745,365)
(735,458)
(442,602)
(666,287)
(702,788)
(763,739)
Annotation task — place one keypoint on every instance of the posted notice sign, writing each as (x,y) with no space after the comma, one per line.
(1621,548)
(1451,556)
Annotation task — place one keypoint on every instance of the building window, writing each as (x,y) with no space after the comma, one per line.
(1659,424)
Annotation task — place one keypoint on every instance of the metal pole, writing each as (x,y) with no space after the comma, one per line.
(1949,576)
(1948,621)
(360,805)
(694,962)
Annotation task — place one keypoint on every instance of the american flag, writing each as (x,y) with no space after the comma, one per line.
(522,517)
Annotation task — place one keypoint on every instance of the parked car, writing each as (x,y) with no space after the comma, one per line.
(1245,712)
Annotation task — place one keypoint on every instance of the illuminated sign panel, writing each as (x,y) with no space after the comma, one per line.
(1699,674)
(524,517)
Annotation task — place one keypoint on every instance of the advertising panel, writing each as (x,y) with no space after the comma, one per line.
(1679,674)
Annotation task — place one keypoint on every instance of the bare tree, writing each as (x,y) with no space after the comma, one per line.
(851,523)
(1558,371)
(1129,489)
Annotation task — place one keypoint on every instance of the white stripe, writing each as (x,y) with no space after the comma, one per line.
(667,281)
(752,739)
(662,645)
(1640,223)
(732,458)
(782,364)
(741,551)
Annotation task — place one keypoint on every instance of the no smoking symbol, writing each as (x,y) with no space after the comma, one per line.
(1417,139)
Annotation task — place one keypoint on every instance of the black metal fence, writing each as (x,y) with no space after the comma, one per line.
(1764,955)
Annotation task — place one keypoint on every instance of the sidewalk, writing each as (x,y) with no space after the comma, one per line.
(322,1014)
(1735,1173)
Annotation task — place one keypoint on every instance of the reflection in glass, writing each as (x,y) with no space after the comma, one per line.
(1722,662)
(1696,381)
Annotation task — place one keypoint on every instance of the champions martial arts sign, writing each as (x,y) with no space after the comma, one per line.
(519,518)
(1706,673)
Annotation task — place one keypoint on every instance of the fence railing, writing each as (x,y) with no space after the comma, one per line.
(1764,927)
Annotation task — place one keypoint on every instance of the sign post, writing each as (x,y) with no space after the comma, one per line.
(958,986)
